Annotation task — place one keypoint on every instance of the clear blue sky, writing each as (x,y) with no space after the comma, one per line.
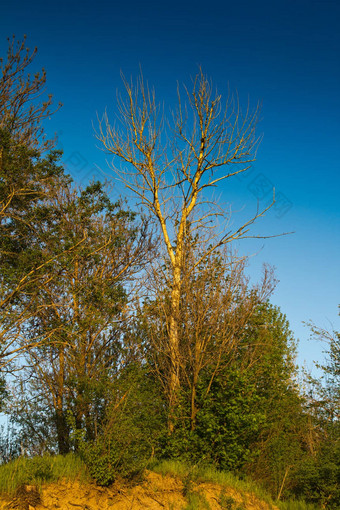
(285,54)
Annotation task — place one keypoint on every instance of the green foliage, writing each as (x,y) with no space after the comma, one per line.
(22,103)
(110,459)
(228,419)
(27,182)
(317,477)
(80,314)
(245,406)
(129,436)
(230,416)
(104,462)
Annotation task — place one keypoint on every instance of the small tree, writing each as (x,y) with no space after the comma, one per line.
(171,166)
(81,307)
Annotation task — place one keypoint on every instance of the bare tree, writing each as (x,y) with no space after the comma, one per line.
(172,166)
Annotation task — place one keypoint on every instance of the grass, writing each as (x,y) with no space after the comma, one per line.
(200,474)
(39,470)
(197,501)
(296,505)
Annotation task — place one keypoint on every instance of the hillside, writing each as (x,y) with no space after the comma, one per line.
(155,492)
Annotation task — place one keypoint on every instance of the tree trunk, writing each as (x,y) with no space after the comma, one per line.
(62,427)
(174,375)
(63,432)
(193,407)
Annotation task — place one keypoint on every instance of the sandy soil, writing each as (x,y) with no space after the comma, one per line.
(154,493)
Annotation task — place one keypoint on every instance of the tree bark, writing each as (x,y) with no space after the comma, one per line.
(63,433)
(174,377)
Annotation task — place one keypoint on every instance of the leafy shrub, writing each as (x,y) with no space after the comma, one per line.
(228,420)
(129,434)
(317,478)
(106,461)
(102,465)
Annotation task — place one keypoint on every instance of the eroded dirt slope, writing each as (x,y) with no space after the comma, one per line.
(154,493)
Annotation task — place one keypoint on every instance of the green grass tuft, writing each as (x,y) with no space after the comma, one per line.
(39,470)
(210,474)
(197,501)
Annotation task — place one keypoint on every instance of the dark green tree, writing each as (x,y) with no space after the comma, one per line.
(135,420)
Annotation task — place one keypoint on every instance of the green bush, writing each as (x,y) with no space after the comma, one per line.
(107,461)
(129,435)
(102,465)
(318,478)
(228,421)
